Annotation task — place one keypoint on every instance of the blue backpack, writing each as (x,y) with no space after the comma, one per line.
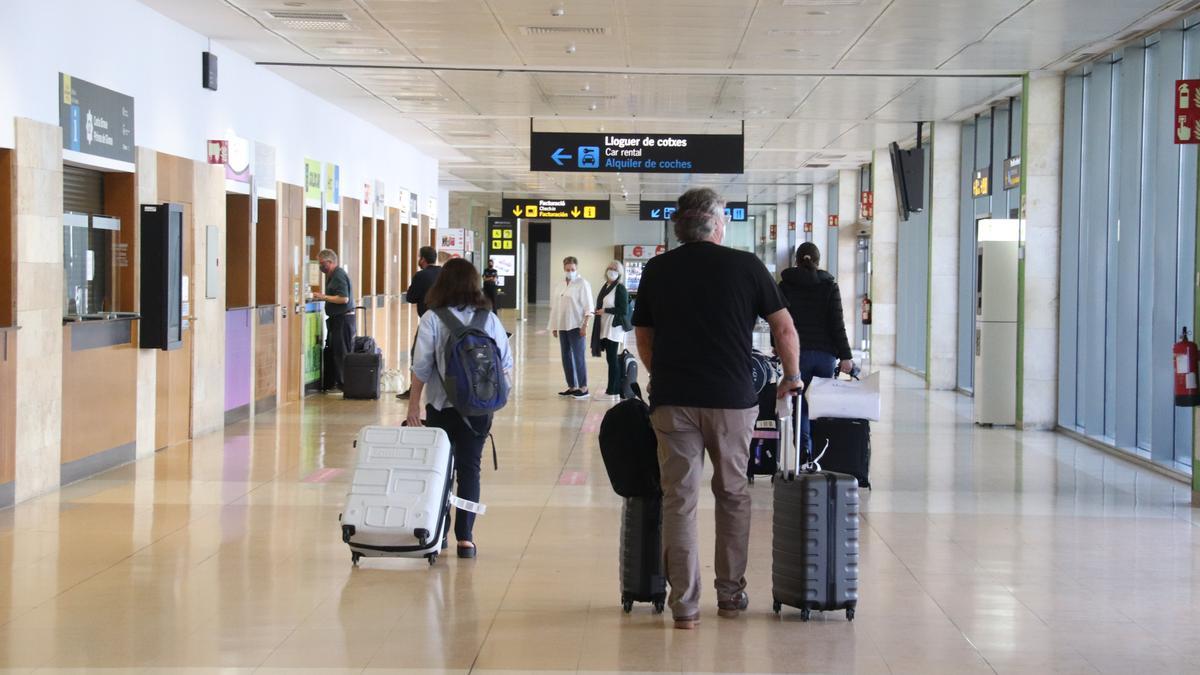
(475,382)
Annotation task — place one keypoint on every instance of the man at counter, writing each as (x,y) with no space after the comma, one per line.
(421,282)
(339,321)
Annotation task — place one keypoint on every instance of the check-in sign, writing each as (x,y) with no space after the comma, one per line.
(637,153)
(561,209)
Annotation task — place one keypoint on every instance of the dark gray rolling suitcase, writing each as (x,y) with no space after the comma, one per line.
(815,532)
(642,576)
(360,375)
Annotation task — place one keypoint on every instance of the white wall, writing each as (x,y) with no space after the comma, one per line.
(591,242)
(628,230)
(126,46)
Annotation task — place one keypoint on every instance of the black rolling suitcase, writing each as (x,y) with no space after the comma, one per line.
(849,443)
(642,576)
(815,532)
(360,375)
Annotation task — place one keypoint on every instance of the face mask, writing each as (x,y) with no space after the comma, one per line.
(572,275)
(612,275)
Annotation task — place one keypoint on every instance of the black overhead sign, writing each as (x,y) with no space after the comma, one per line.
(735,212)
(567,209)
(636,153)
(94,120)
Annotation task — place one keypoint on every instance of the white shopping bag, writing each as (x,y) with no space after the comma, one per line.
(844,399)
(391,382)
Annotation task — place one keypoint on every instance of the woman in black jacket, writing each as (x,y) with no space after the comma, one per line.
(815,303)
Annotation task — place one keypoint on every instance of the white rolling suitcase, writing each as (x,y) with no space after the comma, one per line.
(399,498)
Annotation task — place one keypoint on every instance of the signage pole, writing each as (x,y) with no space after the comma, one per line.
(522,225)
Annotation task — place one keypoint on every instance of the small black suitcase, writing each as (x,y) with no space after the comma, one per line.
(849,446)
(764,442)
(815,534)
(629,376)
(642,576)
(360,375)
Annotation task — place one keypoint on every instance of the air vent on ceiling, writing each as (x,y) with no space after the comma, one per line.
(588,97)
(1080,58)
(830,157)
(563,30)
(813,165)
(821,3)
(406,98)
(804,32)
(312,21)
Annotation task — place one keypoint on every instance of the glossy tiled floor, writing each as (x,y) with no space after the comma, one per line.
(983,551)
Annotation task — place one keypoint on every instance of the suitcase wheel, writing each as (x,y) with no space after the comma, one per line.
(627,605)
(432,558)
(354,558)
(752,479)
(659,606)
(849,613)
(777,606)
(805,614)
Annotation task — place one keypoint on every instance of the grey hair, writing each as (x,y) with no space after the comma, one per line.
(328,254)
(620,270)
(700,210)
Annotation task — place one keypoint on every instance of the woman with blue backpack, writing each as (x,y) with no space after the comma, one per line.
(461,363)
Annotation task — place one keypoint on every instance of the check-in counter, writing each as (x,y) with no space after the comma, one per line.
(266,358)
(239,351)
(8,414)
(99,397)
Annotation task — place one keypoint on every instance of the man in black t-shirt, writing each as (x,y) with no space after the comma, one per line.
(421,282)
(696,310)
(490,288)
(339,322)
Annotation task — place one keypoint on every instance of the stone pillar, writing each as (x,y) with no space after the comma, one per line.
(147,359)
(848,196)
(820,221)
(38,184)
(208,331)
(1037,402)
(884,237)
(943,255)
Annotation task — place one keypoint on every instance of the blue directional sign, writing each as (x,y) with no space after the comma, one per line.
(637,153)
(735,212)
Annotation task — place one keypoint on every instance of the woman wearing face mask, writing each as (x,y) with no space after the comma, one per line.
(611,324)
(570,308)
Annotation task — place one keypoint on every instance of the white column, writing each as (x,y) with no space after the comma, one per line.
(943,254)
(848,196)
(884,231)
(785,213)
(820,220)
(1041,212)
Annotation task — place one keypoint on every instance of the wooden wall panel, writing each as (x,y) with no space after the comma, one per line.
(266,359)
(120,200)
(237,255)
(8,405)
(173,410)
(381,257)
(99,406)
(313,242)
(368,256)
(266,254)
(291,242)
(350,253)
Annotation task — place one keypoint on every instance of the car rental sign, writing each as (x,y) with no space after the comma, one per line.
(637,153)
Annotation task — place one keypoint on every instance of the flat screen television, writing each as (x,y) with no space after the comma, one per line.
(908,170)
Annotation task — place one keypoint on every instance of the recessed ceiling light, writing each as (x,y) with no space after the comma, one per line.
(587,87)
(558,11)
(571,48)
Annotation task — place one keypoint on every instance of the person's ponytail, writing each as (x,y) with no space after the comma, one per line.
(808,256)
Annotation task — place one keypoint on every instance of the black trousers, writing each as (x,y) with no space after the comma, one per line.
(612,353)
(467,445)
(339,341)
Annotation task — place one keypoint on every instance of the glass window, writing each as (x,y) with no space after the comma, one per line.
(89,239)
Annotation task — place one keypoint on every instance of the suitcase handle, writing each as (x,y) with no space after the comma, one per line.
(787,410)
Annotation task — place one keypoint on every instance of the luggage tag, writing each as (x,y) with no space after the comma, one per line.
(464,505)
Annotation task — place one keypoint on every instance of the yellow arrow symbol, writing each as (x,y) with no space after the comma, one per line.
(575,212)
(517,210)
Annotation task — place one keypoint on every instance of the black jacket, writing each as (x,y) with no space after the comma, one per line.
(421,282)
(815,303)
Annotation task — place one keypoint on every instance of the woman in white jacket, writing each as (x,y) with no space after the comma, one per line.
(570,308)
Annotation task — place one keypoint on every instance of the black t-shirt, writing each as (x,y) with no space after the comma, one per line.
(421,282)
(490,272)
(338,283)
(702,301)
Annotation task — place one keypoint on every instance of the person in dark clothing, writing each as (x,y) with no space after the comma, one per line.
(815,303)
(611,324)
(421,282)
(490,288)
(339,321)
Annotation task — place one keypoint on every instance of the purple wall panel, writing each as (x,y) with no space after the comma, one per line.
(238,350)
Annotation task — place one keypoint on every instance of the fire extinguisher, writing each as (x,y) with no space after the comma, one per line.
(866,311)
(1187,360)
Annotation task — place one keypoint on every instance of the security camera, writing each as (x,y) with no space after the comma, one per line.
(571,48)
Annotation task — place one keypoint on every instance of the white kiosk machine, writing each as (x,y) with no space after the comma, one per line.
(996,322)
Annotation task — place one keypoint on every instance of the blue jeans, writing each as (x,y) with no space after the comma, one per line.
(573,358)
(813,363)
